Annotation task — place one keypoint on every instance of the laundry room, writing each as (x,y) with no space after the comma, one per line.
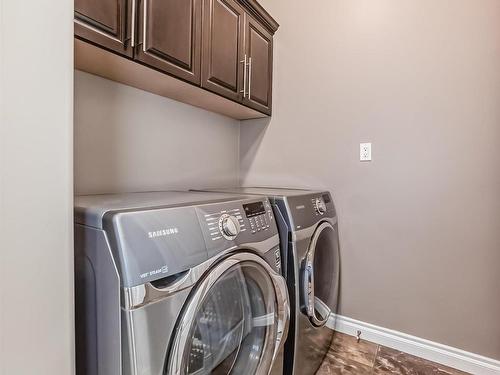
(250,187)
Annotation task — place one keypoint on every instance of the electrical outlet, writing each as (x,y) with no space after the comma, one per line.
(365,152)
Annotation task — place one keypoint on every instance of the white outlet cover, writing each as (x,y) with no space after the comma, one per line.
(365,152)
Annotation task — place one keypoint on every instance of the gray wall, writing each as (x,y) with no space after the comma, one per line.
(36,197)
(130,140)
(420,225)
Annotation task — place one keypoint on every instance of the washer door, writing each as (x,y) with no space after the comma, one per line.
(235,322)
(320,275)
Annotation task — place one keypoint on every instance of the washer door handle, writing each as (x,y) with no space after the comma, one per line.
(283,313)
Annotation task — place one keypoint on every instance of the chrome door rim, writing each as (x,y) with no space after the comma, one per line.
(184,324)
(311,301)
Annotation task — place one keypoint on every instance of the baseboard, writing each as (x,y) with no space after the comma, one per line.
(432,351)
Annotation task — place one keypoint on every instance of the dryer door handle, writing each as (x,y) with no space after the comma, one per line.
(322,309)
(316,310)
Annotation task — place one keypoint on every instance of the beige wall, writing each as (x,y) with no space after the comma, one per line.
(130,140)
(420,225)
(36,197)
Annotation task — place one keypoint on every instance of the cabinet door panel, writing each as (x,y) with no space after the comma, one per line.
(171,37)
(259,48)
(223,30)
(103,22)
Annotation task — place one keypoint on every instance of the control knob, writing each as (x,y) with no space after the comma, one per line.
(229,226)
(320,206)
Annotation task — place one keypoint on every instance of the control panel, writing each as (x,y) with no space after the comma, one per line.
(231,224)
(225,224)
(307,210)
(320,204)
(259,216)
(238,222)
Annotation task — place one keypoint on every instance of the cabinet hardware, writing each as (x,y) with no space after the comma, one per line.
(145,28)
(244,62)
(249,77)
(132,36)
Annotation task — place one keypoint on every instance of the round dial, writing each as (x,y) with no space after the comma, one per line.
(320,206)
(229,226)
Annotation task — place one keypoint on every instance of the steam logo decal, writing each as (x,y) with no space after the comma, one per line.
(163,232)
(164,269)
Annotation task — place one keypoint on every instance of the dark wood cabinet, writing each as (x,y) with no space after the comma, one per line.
(222,46)
(223,51)
(170,37)
(104,22)
(259,51)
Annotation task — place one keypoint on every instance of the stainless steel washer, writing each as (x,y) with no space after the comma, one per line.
(178,283)
(307,223)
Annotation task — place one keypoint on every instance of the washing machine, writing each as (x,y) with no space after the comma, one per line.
(178,283)
(307,223)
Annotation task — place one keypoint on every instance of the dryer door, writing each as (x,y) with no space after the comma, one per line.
(235,321)
(320,275)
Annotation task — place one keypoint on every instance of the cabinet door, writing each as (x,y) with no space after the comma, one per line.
(223,48)
(171,37)
(259,49)
(104,22)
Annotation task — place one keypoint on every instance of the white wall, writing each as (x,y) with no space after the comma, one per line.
(36,246)
(131,140)
(420,224)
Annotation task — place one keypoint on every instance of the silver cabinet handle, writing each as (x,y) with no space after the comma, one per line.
(249,77)
(244,62)
(145,28)
(132,36)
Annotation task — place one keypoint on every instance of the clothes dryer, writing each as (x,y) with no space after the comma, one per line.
(307,223)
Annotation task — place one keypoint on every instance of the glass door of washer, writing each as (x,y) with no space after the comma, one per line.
(235,322)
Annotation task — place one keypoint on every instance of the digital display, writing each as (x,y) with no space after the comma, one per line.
(254,209)
(326,198)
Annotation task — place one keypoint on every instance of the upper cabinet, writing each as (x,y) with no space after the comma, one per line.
(223,48)
(219,51)
(104,22)
(259,52)
(170,37)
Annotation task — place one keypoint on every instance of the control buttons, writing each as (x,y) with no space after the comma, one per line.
(259,223)
(320,206)
(229,226)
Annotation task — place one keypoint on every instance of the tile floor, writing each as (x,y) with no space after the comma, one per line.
(346,356)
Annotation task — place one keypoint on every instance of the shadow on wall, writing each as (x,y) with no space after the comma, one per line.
(279,169)
(130,140)
(254,130)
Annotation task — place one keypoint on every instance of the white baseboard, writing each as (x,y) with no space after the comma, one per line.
(432,351)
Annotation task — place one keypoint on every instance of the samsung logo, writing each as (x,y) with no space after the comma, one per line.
(163,232)
(300,207)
